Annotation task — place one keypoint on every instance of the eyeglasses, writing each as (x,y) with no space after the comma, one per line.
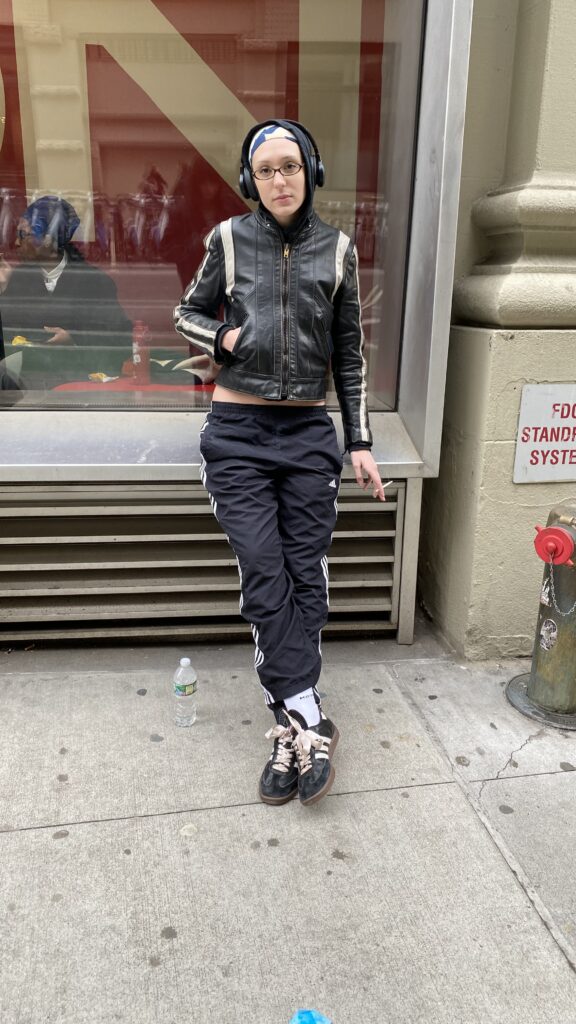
(286,170)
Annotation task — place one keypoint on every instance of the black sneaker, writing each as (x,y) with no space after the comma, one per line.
(314,745)
(279,780)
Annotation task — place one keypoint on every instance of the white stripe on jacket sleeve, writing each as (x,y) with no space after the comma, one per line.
(198,275)
(341,247)
(364,427)
(228,244)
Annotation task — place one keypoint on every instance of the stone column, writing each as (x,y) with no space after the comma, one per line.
(516,311)
(529,279)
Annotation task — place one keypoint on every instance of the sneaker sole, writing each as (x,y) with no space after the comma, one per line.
(277,801)
(330,780)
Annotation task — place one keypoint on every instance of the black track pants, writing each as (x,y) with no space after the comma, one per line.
(273,476)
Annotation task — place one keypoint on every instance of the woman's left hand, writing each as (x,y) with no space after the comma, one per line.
(59,336)
(366,473)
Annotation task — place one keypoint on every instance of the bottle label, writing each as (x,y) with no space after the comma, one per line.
(185,689)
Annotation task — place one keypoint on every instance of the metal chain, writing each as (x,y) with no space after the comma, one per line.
(553,592)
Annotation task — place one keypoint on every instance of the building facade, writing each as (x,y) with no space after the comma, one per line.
(514,320)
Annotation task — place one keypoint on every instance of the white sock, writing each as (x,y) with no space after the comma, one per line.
(305,704)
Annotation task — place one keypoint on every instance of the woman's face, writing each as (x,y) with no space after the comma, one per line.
(282,196)
(31,247)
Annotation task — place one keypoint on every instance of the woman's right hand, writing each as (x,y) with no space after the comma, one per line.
(229,339)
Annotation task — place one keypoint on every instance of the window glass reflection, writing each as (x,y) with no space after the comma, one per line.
(121,150)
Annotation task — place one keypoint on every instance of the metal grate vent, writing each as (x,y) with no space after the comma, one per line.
(150,561)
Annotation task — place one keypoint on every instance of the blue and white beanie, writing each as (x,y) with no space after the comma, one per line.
(266,134)
(53,216)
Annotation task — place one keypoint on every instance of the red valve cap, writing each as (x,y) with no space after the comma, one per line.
(554,542)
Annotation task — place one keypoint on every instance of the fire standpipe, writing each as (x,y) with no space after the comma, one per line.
(548,692)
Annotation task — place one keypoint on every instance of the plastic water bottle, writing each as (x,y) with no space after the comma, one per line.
(141,352)
(185,686)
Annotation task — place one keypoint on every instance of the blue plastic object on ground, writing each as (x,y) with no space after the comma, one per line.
(309,1017)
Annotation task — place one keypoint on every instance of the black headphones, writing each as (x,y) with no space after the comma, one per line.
(312,160)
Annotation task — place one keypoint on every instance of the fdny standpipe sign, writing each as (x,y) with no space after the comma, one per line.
(546,441)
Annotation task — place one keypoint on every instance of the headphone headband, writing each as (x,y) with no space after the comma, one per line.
(312,160)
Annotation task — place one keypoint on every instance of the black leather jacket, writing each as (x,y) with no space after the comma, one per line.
(297,303)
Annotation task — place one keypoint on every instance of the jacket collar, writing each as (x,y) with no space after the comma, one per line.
(303,227)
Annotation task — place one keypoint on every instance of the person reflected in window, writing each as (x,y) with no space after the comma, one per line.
(153,184)
(197,202)
(53,295)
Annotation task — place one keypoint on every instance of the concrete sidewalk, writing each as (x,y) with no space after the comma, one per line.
(142,881)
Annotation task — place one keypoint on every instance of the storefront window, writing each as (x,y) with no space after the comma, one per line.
(132,113)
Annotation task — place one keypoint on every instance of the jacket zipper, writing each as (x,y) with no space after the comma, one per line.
(285,321)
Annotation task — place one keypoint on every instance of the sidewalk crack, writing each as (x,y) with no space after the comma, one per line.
(511,760)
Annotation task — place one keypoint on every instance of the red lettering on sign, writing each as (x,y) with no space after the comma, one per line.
(545,434)
(567,411)
(553,456)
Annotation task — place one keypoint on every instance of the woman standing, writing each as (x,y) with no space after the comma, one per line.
(288,285)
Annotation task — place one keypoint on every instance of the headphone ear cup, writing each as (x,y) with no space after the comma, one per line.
(320,172)
(242,183)
(246,183)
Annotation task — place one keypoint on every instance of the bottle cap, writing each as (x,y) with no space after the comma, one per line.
(184,662)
